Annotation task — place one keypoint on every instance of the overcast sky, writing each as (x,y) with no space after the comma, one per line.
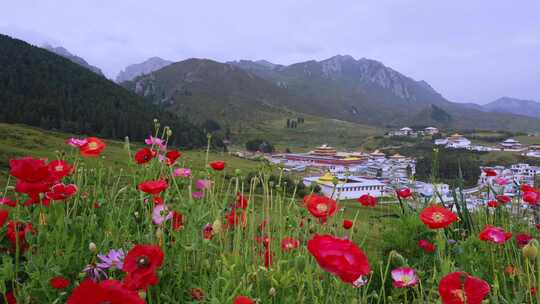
(469,50)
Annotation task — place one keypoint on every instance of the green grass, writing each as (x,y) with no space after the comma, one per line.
(232,263)
(313,132)
(21,140)
(529,140)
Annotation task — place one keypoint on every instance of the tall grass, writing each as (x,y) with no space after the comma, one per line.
(111,213)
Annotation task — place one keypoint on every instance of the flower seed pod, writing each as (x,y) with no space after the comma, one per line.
(92,247)
(530,251)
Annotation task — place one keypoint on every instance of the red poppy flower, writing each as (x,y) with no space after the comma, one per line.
(404,193)
(28,169)
(33,189)
(60,192)
(218,165)
(241,201)
(511,270)
(108,291)
(59,283)
(11,298)
(523,239)
(208,231)
(177,221)
(347,224)
(289,243)
(92,148)
(320,206)
(144,155)
(461,288)
(531,197)
(243,300)
(16,233)
(426,245)
(436,217)
(537,226)
(264,240)
(503,199)
(7,202)
(153,187)
(367,200)
(268,257)
(59,169)
(493,204)
(172,156)
(494,234)
(3,217)
(197,294)
(234,218)
(340,257)
(141,264)
(33,177)
(526,188)
(490,172)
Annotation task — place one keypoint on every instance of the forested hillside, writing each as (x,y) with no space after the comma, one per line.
(42,89)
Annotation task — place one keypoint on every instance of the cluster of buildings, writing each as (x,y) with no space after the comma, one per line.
(512,176)
(408,132)
(458,141)
(349,175)
(326,159)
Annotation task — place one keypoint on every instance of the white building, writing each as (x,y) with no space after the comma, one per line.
(350,187)
(441,142)
(511,145)
(406,131)
(458,141)
(431,130)
(427,189)
(533,151)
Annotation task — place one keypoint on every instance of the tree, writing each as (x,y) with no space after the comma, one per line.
(259,145)
(211,126)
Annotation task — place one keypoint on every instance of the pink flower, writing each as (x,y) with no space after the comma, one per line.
(404,277)
(501,181)
(76,142)
(202,184)
(197,194)
(161,214)
(182,172)
(494,234)
(155,141)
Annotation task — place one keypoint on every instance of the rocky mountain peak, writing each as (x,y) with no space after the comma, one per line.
(61,51)
(146,67)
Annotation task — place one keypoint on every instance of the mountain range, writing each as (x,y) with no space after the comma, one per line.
(362,91)
(143,68)
(341,87)
(515,106)
(76,59)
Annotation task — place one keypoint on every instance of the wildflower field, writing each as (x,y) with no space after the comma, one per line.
(76,229)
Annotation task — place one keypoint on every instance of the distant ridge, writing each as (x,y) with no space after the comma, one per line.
(146,67)
(341,87)
(515,106)
(78,60)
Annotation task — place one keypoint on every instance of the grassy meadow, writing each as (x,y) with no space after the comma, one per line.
(214,236)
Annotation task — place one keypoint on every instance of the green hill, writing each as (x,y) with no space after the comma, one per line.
(42,89)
